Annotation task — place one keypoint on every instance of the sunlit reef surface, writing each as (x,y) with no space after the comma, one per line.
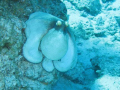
(96,26)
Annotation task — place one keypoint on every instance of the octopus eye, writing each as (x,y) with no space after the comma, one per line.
(58,23)
(66,24)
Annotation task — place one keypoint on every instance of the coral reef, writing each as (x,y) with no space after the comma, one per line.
(96,26)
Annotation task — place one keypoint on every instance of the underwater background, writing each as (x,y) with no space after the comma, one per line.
(96,27)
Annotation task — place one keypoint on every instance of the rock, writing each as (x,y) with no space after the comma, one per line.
(11,82)
(81,26)
(92,7)
(98,33)
(2,84)
(118,19)
(23,8)
(80,74)
(114,5)
(106,24)
(106,65)
(104,1)
(107,82)
(11,36)
(64,84)
(15,72)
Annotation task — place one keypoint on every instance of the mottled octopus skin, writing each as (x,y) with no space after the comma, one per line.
(36,27)
(49,39)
